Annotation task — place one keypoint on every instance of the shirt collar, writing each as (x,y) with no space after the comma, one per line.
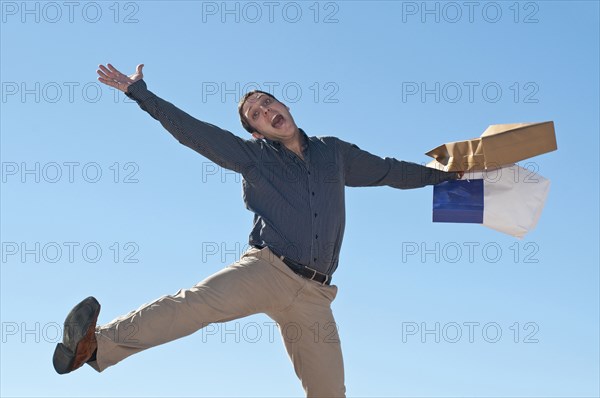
(305,139)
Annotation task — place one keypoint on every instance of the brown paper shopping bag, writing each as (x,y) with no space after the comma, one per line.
(499,145)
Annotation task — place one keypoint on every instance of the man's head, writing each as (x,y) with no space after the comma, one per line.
(264,116)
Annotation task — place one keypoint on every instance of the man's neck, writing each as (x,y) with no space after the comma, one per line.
(296,143)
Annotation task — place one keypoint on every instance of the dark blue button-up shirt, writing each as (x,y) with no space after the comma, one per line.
(298,204)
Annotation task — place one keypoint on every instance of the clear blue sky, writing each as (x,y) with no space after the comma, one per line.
(164,218)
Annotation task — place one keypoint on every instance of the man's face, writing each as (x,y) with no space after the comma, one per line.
(270,118)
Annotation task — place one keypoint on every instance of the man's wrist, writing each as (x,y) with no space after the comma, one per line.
(138,91)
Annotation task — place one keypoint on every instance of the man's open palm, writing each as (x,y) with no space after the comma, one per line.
(111,76)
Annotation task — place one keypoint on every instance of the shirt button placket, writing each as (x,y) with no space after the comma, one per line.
(311,185)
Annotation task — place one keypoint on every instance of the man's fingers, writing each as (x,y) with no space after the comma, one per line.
(102,74)
(107,82)
(111,81)
(112,68)
(105,70)
(118,75)
(118,85)
(109,75)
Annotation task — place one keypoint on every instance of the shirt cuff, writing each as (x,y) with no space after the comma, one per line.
(138,91)
(449,176)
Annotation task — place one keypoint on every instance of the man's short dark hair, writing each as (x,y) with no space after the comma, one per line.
(243,119)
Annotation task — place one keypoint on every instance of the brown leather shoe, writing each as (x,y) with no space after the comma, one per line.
(79,337)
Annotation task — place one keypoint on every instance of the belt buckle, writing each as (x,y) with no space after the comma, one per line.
(315,272)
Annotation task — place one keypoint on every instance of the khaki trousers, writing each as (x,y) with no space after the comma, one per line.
(259,282)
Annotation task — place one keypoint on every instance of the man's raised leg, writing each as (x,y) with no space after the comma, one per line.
(246,287)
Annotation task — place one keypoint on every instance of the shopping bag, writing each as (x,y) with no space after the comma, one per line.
(499,145)
(508,199)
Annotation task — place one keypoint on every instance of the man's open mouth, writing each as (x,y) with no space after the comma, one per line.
(277,121)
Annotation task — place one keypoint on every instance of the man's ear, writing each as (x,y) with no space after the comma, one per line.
(258,136)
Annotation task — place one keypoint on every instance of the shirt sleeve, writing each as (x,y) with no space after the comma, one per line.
(363,169)
(221,146)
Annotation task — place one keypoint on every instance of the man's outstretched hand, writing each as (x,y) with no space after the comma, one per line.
(111,76)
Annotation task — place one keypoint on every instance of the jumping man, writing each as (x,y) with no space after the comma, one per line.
(294,184)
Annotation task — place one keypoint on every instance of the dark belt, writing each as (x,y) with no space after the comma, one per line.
(301,269)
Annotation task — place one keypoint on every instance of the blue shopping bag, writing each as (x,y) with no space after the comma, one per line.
(458,201)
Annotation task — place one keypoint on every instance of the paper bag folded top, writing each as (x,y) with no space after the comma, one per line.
(499,145)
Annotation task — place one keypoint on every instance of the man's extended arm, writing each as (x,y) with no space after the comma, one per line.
(363,169)
(216,144)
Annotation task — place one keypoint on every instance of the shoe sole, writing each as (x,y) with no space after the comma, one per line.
(79,325)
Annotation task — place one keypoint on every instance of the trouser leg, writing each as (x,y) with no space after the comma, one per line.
(311,338)
(246,287)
